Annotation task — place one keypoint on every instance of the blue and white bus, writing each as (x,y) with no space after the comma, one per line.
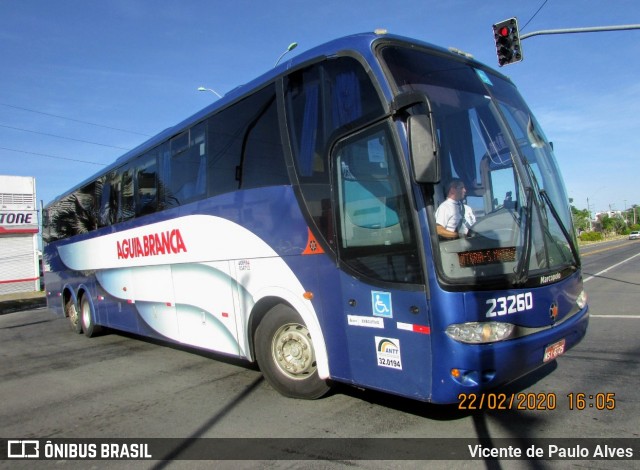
(292,223)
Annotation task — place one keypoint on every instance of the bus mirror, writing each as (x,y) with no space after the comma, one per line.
(408,99)
(423,149)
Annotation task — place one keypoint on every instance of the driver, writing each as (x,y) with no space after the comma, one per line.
(453,217)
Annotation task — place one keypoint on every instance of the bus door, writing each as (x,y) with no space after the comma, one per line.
(388,336)
(387,316)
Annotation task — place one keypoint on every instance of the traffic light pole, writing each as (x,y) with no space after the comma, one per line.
(581,30)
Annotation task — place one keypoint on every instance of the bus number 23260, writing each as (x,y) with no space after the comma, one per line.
(509,304)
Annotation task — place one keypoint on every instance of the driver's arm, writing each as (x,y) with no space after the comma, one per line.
(444,233)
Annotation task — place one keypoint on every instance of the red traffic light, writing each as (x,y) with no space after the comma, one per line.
(507,41)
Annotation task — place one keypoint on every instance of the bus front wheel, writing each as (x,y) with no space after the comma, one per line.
(285,354)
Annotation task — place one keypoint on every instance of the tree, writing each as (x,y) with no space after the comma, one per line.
(612,224)
(580,219)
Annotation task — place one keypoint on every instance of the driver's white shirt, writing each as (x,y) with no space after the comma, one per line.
(448,215)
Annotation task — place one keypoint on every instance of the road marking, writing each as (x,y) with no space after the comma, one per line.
(637,317)
(601,250)
(611,267)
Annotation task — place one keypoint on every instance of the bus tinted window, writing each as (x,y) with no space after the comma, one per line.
(322,99)
(263,161)
(73,215)
(225,143)
(244,145)
(187,166)
(127,195)
(146,176)
(107,200)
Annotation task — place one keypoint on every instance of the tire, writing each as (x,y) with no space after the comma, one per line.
(286,356)
(71,311)
(87,318)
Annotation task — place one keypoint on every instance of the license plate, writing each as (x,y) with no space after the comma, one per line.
(553,350)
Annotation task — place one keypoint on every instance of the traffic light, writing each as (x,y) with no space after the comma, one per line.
(507,41)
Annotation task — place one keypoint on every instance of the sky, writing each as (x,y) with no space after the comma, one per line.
(82,81)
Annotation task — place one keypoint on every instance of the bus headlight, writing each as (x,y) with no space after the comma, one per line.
(476,333)
(582,299)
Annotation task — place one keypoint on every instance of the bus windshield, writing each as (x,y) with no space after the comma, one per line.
(500,209)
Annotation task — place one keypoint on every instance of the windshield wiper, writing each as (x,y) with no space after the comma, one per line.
(567,236)
(522,270)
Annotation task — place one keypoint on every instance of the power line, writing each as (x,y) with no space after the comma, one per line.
(62,137)
(53,156)
(74,120)
(534,15)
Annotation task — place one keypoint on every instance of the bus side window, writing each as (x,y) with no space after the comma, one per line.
(108,200)
(165,198)
(127,194)
(184,174)
(87,211)
(331,95)
(224,141)
(198,148)
(114,196)
(147,184)
(75,214)
(244,145)
(263,160)
(181,184)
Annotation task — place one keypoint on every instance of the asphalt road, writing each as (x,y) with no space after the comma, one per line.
(56,384)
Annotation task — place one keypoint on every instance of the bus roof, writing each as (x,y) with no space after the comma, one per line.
(360,43)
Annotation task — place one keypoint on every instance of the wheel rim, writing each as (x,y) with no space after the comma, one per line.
(292,351)
(74,318)
(86,314)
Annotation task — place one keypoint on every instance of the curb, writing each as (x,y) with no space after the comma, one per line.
(12,306)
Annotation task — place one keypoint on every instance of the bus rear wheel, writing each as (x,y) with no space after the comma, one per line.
(87,318)
(286,356)
(74,317)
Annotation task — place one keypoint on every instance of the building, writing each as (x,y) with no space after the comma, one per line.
(19,254)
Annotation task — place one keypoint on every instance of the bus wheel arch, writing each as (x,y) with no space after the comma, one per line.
(71,310)
(259,310)
(285,353)
(88,315)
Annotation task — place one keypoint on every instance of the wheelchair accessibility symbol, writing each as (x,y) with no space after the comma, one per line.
(381,304)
